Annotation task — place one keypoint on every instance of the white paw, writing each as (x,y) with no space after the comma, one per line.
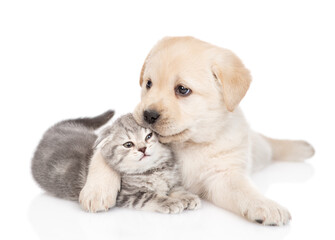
(97,198)
(191,201)
(195,203)
(266,212)
(170,206)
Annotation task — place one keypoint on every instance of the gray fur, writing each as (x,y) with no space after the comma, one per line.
(60,163)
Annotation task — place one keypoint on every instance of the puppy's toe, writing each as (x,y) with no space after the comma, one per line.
(267,212)
(94,199)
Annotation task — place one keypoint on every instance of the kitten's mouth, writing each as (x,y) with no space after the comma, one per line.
(143,157)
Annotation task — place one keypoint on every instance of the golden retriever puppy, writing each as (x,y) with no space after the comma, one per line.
(190,96)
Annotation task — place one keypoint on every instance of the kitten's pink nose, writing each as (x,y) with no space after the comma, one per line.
(142,149)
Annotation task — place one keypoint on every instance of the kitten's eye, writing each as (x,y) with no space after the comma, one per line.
(148,136)
(182,91)
(128,145)
(149,84)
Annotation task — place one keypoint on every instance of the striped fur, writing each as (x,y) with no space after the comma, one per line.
(150,182)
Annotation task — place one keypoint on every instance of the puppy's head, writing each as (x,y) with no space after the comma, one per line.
(188,87)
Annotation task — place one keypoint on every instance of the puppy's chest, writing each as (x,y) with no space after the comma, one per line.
(190,161)
(194,162)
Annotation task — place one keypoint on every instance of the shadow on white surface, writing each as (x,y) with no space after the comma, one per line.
(282,172)
(54,218)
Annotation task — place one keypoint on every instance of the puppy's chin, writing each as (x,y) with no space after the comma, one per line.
(182,136)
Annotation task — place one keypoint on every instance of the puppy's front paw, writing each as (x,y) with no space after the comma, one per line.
(170,205)
(266,212)
(97,198)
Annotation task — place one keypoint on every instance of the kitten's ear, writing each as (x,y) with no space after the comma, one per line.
(103,138)
(98,141)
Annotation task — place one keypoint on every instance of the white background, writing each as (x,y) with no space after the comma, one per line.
(64,59)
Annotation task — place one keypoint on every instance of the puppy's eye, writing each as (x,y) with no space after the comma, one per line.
(128,145)
(182,91)
(148,136)
(149,84)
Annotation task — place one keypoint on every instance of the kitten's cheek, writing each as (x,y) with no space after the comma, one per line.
(150,151)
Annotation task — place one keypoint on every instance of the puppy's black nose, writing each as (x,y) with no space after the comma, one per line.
(150,116)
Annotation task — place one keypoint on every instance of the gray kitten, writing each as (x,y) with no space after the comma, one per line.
(149,174)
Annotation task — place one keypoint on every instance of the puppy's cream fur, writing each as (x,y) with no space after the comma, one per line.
(101,187)
(207,130)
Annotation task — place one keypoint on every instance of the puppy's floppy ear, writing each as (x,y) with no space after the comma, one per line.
(142,72)
(143,69)
(233,76)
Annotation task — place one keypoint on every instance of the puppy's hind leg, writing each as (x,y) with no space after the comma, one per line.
(261,151)
(290,150)
(265,150)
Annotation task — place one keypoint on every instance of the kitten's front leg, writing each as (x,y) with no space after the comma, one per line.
(101,187)
(149,201)
(189,200)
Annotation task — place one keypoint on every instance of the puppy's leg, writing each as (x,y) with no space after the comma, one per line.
(101,187)
(233,191)
(290,150)
(261,151)
(265,150)
(189,200)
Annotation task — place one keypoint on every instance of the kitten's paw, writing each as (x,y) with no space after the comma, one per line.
(95,199)
(170,206)
(190,201)
(266,212)
(193,202)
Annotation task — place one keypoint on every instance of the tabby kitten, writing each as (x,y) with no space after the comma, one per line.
(149,174)
(150,179)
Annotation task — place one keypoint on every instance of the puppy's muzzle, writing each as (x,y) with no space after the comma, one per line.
(150,116)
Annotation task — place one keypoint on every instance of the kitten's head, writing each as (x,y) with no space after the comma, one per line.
(130,148)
